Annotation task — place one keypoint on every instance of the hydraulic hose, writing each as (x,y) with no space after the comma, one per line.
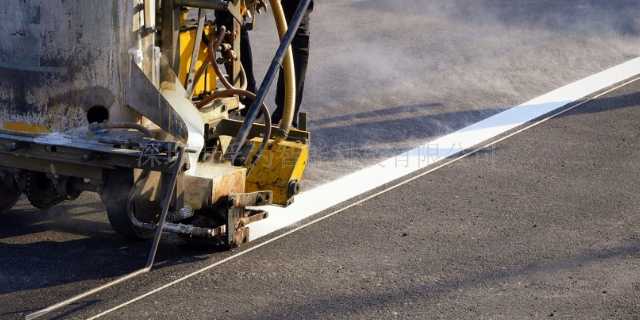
(212,60)
(213,45)
(289,73)
(244,80)
(271,73)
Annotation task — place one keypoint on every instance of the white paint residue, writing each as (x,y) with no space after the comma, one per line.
(191,117)
(53,139)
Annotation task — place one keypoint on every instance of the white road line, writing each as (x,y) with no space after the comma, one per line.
(333,193)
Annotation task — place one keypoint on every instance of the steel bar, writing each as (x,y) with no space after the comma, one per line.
(152,254)
(182,229)
(165,206)
(194,54)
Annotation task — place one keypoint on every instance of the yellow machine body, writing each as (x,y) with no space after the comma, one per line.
(279,169)
(208,81)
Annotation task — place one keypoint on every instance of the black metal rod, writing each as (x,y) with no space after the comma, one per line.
(204,4)
(268,78)
(152,254)
(165,206)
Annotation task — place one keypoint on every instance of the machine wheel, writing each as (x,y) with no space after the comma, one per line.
(115,197)
(8,197)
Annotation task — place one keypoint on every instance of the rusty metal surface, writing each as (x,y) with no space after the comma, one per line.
(70,150)
(62,61)
(59,59)
(241,236)
(182,229)
(259,198)
(197,192)
(252,216)
(225,179)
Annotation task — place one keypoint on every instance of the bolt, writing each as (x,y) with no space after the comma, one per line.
(293,188)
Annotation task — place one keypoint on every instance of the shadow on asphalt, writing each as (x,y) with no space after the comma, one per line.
(608,103)
(374,140)
(77,307)
(55,247)
(380,139)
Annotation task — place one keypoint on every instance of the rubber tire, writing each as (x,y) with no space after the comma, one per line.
(8,197)
(115,199)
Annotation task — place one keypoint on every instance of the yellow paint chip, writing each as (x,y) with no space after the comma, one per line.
(25,127)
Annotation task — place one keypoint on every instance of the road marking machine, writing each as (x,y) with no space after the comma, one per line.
(132,100)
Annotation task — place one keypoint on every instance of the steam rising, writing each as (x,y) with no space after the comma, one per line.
(387,76)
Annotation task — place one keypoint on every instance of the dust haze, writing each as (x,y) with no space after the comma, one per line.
(387,76)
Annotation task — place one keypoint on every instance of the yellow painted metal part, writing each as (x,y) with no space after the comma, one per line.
(279,164)
(208,80)
(24,127)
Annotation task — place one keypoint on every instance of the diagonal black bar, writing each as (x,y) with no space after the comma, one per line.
(152,254)
(268,78)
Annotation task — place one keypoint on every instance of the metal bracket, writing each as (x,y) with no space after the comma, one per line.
(233,213)
(238,217)
(254,199)
(212,4)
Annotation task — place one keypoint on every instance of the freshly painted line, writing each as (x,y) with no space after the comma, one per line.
(486,128)
(341,190)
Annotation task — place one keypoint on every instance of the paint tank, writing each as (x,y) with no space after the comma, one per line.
(64,63)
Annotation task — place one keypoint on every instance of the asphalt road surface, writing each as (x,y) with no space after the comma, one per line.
(544,224)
